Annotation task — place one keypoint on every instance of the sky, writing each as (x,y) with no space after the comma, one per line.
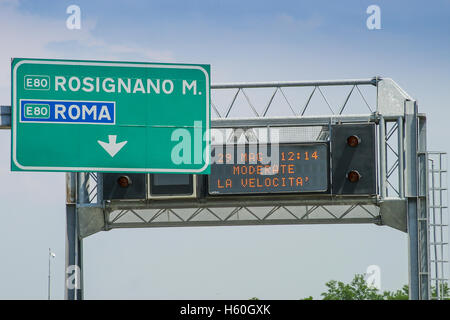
(242,41)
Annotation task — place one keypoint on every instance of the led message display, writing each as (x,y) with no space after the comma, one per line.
(284,168)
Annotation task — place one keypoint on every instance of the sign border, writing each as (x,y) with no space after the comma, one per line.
(102,169)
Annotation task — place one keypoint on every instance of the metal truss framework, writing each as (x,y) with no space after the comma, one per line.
(411,181)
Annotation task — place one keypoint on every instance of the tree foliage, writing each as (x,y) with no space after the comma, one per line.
(358,289)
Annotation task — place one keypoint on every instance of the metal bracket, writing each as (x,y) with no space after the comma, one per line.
(5,117)
(91,220)
(391,98)
(393,213)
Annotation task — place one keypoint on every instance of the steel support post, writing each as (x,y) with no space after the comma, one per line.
(401,161)
(77,186)
(413,249)
(416,194)
(383,159)
(423,214)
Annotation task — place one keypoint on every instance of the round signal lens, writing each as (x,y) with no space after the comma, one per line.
(353,141)
(353,176)
(124,181)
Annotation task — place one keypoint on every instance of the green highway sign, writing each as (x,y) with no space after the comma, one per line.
(71,115)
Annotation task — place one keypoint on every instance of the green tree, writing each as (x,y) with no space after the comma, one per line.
(358,289)
(444,291)
(402,294)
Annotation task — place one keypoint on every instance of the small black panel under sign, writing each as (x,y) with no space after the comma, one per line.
(171,184)
(135,187)
(254,169)
(353,156)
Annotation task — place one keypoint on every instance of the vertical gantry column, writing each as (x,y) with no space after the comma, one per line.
(77,193)
(416,195)
(423,213)
(383,159)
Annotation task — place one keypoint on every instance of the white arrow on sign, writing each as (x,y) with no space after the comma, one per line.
(112,147)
